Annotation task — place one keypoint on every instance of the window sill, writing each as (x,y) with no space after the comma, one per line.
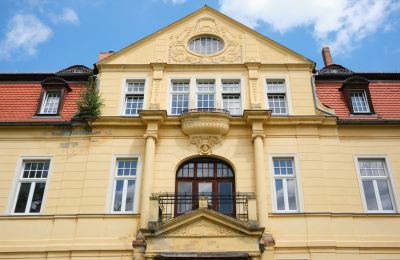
(363,114)
(47,116)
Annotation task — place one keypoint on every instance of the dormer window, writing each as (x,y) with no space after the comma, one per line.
(52,97)
(359,101)
(357,96)
(51,102)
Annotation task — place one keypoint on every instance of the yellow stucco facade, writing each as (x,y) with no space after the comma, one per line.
(77,219)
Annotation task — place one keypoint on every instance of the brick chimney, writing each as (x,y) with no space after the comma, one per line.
(103,55)
(326,55)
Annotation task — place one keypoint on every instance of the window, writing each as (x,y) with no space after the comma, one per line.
(51,102)
(134,97)
(124,185)
(359,101)
(276,95)
(31,186)
(231,96)
(206,45)
(209,177)
(205,94)
(179,96)
(286,199)
(376,185)
(356,93)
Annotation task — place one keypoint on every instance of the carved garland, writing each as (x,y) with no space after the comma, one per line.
(205,143)
(179,53)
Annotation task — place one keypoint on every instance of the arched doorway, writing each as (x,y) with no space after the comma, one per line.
(205,176)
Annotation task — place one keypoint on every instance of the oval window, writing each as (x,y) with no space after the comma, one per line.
(206,45)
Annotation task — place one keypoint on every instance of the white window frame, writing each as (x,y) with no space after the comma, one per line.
(364,94)
(217,94)
(113,179)
(277,93)
(299,193)
(17,183)
(272,76)
(206,92)
(239,93)
(145,94)
(171,81)
(392,182)
(46,92)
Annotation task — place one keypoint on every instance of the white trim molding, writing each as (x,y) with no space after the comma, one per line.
(112,183)
(391,182)
(297,178)
(13,195)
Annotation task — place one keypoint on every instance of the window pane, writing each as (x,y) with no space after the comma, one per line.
(370,197)
(291,189)
(205,189)
(185,197)
(135,86)
(384,194)
(130,194)
(231,86)
(126,167)
(37,197)
(51,101)
(232,103)
(277,103)
(206,45)
(22,197)
(280,203)
(119,186)
(276,86)
(359,101)
(133,104)
(226,198)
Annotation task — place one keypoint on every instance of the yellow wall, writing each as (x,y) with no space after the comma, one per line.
(76,222)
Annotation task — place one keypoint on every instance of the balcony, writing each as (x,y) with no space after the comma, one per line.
(240,206)
(205,121)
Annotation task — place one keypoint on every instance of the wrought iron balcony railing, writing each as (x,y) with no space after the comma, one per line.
(175,204)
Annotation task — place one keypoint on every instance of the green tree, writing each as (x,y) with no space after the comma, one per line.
(90,102)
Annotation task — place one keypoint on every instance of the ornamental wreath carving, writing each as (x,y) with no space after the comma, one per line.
(231,53)
(205,143)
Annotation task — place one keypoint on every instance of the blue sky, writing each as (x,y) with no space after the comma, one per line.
(48,35)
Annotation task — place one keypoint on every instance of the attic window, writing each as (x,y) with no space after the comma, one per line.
(52,97)
(206,45)
(357,95)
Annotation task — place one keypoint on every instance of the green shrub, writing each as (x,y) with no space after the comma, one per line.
(90,102)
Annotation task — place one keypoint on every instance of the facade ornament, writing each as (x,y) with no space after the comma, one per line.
(140,240)
(233,44)
(266,240)
(205,143)
(158,73)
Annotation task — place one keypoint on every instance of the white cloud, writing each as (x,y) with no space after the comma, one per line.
(339,24)
(25,33)
(174,1)
(67,16)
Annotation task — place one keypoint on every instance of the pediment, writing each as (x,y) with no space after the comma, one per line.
(205,223)
(170,44)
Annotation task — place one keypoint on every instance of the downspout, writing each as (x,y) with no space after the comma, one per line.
(315,98)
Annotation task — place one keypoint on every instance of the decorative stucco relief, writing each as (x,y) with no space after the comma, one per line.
(202,228)
(232,53)
(205,143)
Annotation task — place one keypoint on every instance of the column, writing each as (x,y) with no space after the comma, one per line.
(256,119)
(147,177)
(153,119)
(261,183)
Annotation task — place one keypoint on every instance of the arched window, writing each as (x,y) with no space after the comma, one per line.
(209,177)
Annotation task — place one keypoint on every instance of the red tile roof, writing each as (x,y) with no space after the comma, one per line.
(19,102)
(385,96)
